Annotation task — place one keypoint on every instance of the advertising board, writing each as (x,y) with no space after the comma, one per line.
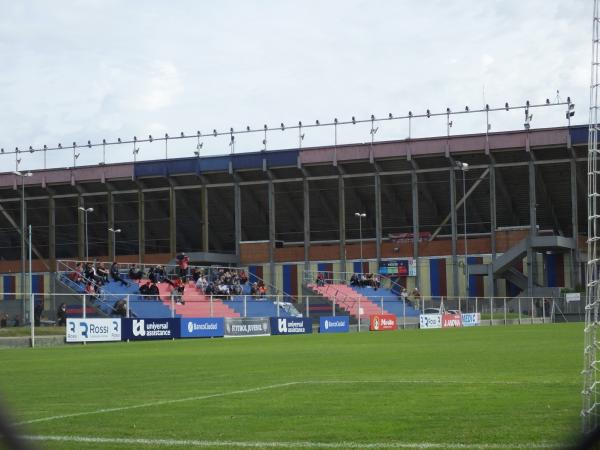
(337,324)
(93,330)
(291,325)
(451,320)
(247,326)
(147,329)
(429,321)
(383,322)
(471,320)
(202,327)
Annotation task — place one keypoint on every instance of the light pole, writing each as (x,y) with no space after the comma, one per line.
(114,239)
(464,167)
(23,253)
(360,218)
(86,211)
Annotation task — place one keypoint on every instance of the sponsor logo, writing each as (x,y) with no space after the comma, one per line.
(451,321)
(427,321)
(248,326)
(202,327)
(471,319)
(288,325)
(138,328)
(151,328)
(81,330)
(337,324)
(383,322)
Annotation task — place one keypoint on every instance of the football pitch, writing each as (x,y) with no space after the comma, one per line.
(480,388)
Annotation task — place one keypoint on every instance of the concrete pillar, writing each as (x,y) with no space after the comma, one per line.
(141,227)
(342,221)
(271,193)
(455,291)
(378,230)
(575,261)
(415,222)
(110,206)
(205,246)
(52,233)
(237,213)
(80,228)
(531,259)
(172,222)
(306,207)
(493,223)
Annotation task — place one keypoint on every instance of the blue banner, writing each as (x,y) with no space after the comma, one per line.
(337,324)
(291,325)
(146,329)
(197,328)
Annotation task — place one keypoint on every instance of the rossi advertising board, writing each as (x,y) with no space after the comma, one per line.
(147,329)
(383,322)
(291,325)
(247,326)
(471,320)
(428,321)
(337,324)
(93,330)
(202,327)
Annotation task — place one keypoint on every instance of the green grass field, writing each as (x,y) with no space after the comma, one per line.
(488,387)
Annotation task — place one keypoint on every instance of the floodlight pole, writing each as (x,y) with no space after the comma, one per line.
(86,211)
(31,297)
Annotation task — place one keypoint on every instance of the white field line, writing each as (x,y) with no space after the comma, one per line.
(272,386)
(273,444)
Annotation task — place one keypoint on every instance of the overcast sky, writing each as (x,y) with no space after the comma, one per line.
(78,70)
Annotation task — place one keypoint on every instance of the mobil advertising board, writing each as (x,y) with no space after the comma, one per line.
(451,320)
(291,325)
(93,330)
(471,320)
(383,322)
(334,324)
(148,329)
(398,268)
(429,321)
(247,326)
(202,327)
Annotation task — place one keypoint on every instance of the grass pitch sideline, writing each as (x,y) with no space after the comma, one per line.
(501,387)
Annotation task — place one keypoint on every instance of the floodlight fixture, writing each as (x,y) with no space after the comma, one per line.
(506,106)
(353,120)
(317,122)
(466,109)
(428,114)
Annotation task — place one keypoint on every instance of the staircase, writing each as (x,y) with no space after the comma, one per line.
(347,300)
(196,304)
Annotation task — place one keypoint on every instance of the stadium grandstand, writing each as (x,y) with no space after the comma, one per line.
(284,216)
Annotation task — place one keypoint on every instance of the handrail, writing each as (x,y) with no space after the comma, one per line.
(311,276)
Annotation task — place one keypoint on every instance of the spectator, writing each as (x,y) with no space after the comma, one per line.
(183,261)
(376,282)
(320,279)
(145,289)
(153,292)
(243,277)
(120,308)
(17,320)
(254,288)
(77,274)
(135,273)
(102,272)
(404,296)
(37,313)
(3,320)
(354,280)
(61,314)
(114,273)
(201,283)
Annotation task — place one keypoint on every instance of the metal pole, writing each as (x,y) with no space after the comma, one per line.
(23,255)
(172,307)
(404,314)
(519,310)
(504,311)
(245,306)
(127,312)
(381,301)
(361,243)
(359,314)
(211,305)
(307,306)
(277,304)
(465,233)
(31,305)
(491,310)
(83,312)
(531,312)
